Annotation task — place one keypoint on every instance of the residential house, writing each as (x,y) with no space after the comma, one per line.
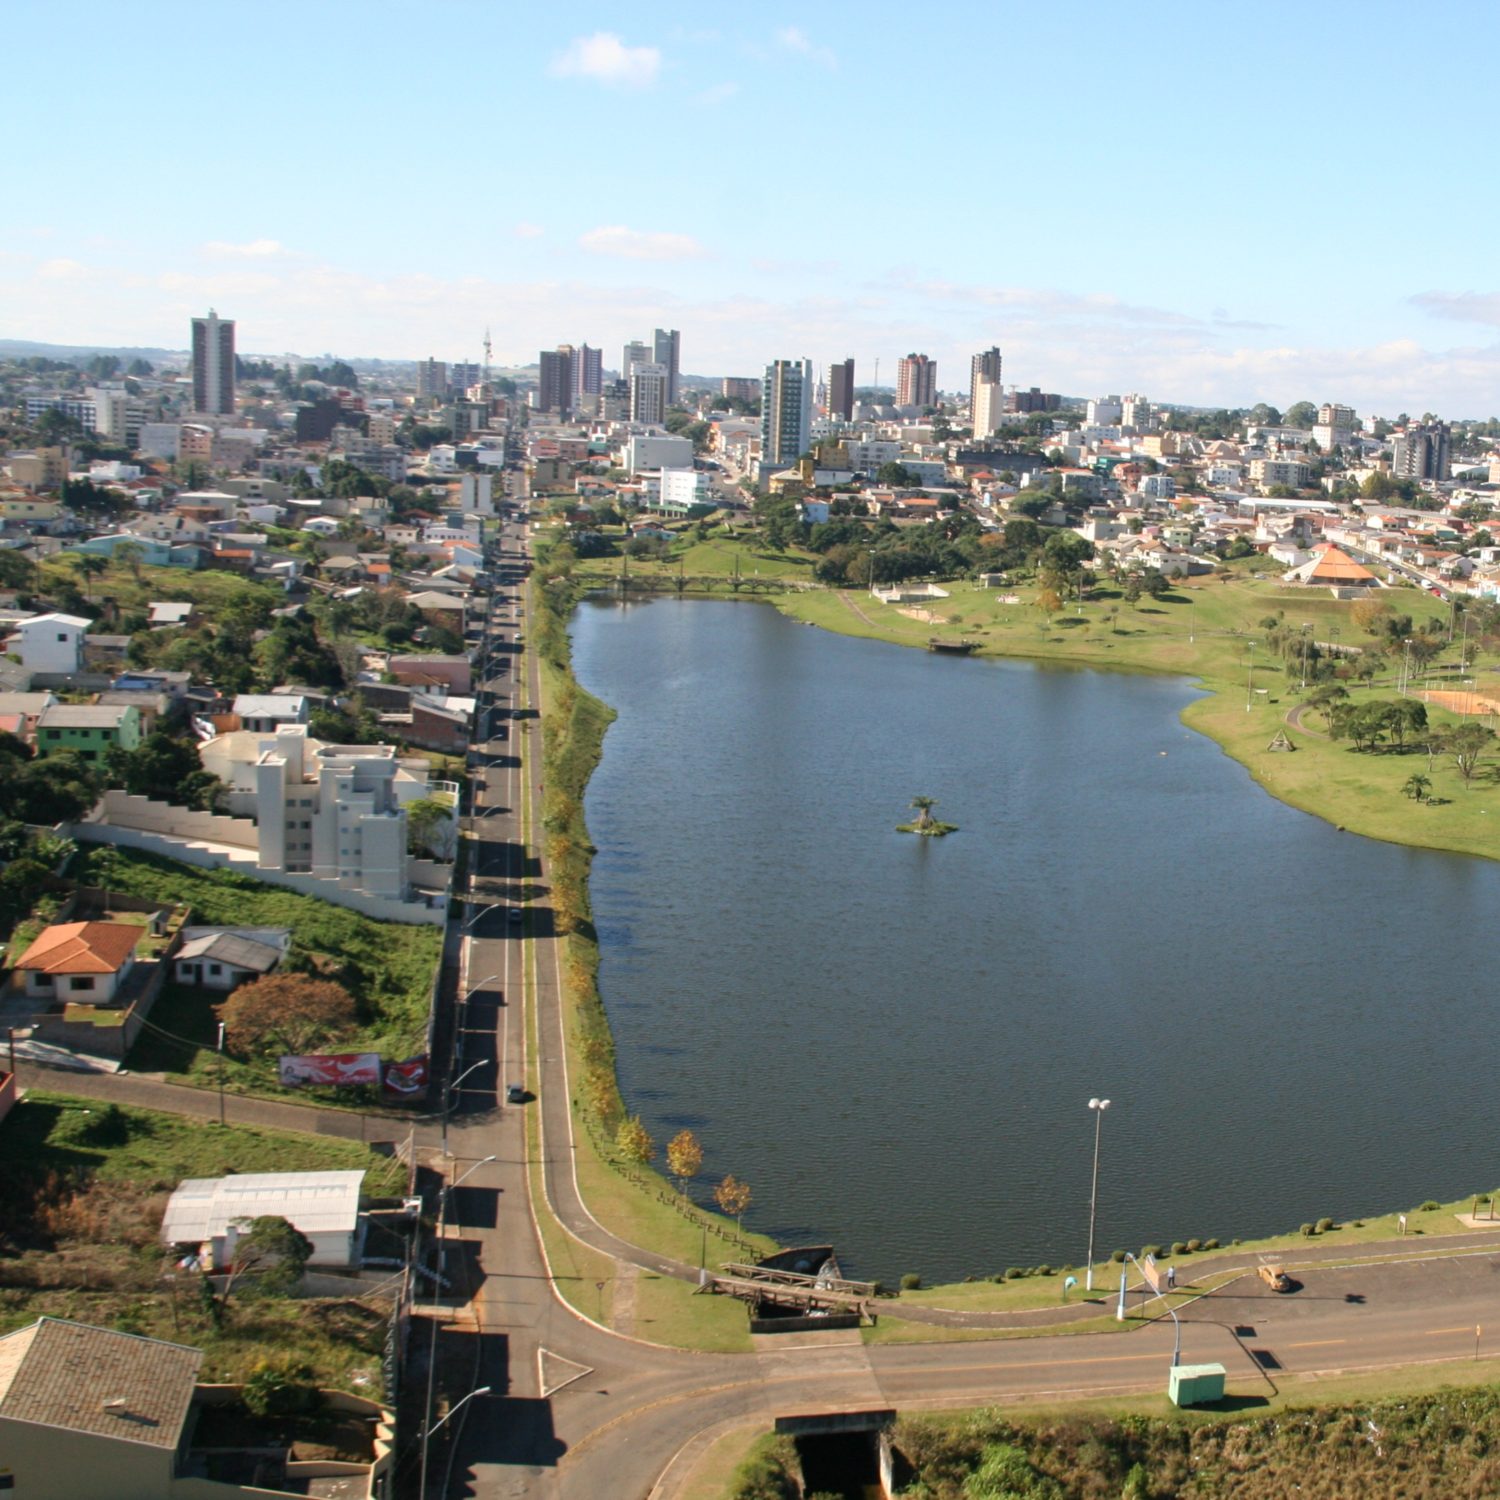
(169,613)
(220,958)
(19,712)
(79,962)
(90,729)
(453,672)
(208,1214)
(152,706)
(51,644)
(265,713)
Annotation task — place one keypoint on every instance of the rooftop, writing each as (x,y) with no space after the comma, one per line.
(94,1380)
(202,1208)
(82,948)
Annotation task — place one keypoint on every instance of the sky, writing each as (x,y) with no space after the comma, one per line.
(1204,203)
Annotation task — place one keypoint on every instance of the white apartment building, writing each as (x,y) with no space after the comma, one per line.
(657,452)
(475,494)
(49,643)
(675,492)
(1105,411)
(988,408)
(1291,472)
(867,455)
(650,390)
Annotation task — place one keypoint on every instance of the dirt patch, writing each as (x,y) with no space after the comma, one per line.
(926,616)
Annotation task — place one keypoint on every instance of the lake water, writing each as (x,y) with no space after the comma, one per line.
(894,1039)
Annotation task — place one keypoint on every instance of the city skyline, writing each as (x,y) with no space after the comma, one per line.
(1253,244)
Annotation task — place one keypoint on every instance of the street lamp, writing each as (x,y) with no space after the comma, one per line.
(427,1431)
(479,911)
(448,1099)
(1249,676)
(1098,1106)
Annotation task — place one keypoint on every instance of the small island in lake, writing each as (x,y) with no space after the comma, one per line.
(924,822)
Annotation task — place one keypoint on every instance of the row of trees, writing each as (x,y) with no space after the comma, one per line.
(684,1157)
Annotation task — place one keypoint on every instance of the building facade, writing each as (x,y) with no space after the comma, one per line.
(916,381)
(650,394)
(555,381)
(785,412)
(213,365)
(841,390)
(984,369)
(1423,451)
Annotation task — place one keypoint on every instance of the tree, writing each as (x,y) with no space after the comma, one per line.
(1372,616)
(1300,414)
(923,807)
(895,474)
(733,1197)
(633,1141)
(1416,787)
(431,826)
(1049,601)
(1467,744)
(131,555)
(684,1157)
(287,1012)
(1406,715)
(274,1251)
(91,566)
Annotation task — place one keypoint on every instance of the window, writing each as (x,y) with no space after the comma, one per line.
(216,968)
(80,984)
(62,635)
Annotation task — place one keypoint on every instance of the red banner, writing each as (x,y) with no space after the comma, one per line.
(406,1080)
(342,1069)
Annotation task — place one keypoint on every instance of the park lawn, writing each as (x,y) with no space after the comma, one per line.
(208,588)
(387,966)
(891,1330)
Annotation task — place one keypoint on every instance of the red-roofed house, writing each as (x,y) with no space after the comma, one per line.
(80,961)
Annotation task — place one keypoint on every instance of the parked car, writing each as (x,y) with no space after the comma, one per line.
(1276,1278)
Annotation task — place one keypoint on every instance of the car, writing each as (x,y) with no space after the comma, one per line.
(516,913)
(516,1094)
(1276,1278)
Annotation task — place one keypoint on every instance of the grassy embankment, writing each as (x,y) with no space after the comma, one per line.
(84,1187)
(634,1203)
(129,589)
(386,966)
(1203,629)
(1440,1440)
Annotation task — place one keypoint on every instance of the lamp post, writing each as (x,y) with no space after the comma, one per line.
(427,1431)
(1249,676)
(478,912)
(221,1072)
(448,1099)
(1098,1106)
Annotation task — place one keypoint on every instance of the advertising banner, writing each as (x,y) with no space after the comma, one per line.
(341,1069)
(406,1080)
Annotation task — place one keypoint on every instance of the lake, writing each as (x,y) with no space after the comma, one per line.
(894,1039)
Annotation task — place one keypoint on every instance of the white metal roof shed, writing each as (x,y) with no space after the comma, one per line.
(323,1205)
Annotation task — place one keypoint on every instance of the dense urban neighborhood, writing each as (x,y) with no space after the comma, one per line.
(317,1172)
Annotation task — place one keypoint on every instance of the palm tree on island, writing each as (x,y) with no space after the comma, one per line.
(924,822)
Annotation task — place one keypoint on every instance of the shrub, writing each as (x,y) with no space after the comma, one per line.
(1305,1231)
(1211,1244)
(1118,1257)
(281,1388)
(1179,1247)
(1013,1273)
(1359,1223)
(1150,1250)
(1430,1206)
(1194,1246)
(1042,1271)
(911,1282)
(1324,1225)
(1236,1242)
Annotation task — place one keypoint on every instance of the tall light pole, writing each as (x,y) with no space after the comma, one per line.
(1249,676)
(427,1431)
(448,1099)
(1098,1106)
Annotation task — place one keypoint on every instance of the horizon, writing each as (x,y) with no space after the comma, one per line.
(1158,208)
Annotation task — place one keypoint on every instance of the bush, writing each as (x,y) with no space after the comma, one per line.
(1305,1231)
(1324,1225)
(1194,1246)
(1430,1206)
(281,1388)
(1179,1247)
(1118,1257)
(1359,1223)
(911,1282)
(1212,1244)
(1042,1271)
(1150,1250)
(1013,1273)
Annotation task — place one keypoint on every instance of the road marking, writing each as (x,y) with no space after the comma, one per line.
(1464,1328)
(560,1365)
(1315,1344)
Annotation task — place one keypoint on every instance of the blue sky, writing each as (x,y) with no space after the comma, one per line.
(1199,202)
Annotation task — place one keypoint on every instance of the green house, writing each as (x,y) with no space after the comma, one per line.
(90,729)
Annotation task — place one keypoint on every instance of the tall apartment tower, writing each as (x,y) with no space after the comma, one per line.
(588,371)
(667,350)
(841,390)
(1422,451)
(635,354)
(555,383)
(916,381)
(649,384)
(213,365)
(432,377)
(786,412)
(986,394)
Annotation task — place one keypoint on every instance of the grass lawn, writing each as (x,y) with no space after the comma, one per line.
(208,588)
(387,966)
(84,1187)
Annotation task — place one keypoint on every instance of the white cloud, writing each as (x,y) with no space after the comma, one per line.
(61,270)
(639,244)
(1462,307)
(606,59)
(528,231)
(794,39)
(250,250)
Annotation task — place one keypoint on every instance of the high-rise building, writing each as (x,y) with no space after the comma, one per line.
(984,369)
(213,364)
(432,377)
(649,384)
(785,412)
(667,350)
(588,371)
(841,390)
(987,407)
(555,381)
(1422,451)
(1135,412)
(1335,427)
(740,388)
(462,376)
(635,354)
(916,381)
(1105,411)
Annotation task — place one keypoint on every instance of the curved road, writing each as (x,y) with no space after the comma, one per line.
(579,1412)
